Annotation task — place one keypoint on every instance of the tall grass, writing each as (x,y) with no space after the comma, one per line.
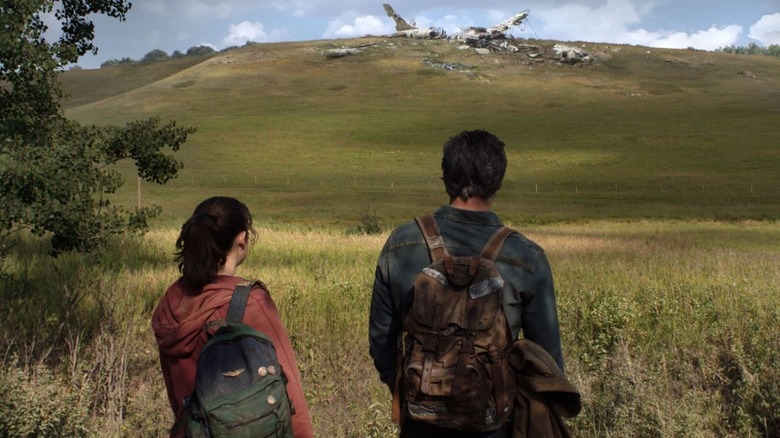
(669,329)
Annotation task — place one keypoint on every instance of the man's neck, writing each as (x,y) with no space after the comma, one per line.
(475,203)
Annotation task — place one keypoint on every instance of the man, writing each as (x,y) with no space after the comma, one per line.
(473,168)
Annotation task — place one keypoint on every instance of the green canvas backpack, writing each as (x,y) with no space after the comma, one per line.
(240,387)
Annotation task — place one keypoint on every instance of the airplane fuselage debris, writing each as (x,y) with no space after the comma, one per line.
(427,33)
(483,40)
(571,55)
(474,34)
(405,29)
(339,53)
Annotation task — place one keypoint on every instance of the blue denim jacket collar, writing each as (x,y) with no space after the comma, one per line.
(468,216)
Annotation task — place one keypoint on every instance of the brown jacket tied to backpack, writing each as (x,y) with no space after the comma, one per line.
(457,367)
(544,395)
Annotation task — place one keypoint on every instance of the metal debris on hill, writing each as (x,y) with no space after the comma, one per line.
(559,53)
(449,66)
(484,40)
(529,53)
(339,53)
(345,51)
(475,35)
(571,55)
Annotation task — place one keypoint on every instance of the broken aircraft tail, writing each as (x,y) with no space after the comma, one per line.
(400,23)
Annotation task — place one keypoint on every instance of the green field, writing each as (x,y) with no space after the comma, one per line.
(644,133)
(651,178)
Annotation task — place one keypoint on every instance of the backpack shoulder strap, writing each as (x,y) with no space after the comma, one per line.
(238,301)
(433,237)
(495,243)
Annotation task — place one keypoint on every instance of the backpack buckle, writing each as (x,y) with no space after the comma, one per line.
(214,323)
(430,343)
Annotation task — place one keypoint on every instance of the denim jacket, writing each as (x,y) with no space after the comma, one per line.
(529,299)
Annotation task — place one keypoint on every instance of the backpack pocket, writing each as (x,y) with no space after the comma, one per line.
(239,388)
(258,411)
(437,393)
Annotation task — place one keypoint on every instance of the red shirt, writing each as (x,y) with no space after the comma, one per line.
(178,326)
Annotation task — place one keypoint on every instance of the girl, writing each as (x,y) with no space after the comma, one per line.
(211,245)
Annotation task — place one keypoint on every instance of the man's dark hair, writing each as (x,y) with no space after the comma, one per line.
(473,164)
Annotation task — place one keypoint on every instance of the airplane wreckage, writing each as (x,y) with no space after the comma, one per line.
(471,35)
(483,39)
(404,29)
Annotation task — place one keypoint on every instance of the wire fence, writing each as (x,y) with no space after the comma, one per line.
(205,180)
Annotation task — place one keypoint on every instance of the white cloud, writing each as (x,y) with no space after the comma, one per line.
(710,39)
(249,31)
(766,30)
(451,24)
(363,25)
(616,21)
(607,23)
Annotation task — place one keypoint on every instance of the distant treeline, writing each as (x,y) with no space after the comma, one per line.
(158,55)
(752,49)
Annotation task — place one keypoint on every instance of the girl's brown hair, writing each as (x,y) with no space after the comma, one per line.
(207,237)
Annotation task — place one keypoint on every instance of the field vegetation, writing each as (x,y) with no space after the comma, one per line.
(669,329)
(651,179)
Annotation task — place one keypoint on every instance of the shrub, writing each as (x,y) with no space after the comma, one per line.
(35,402)
(200,50)
(368,224)
(116,62)
(155,55)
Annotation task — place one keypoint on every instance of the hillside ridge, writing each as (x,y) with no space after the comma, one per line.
(89,86)
(640,133)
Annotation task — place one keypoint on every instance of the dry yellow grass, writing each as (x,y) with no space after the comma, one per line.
(650,312)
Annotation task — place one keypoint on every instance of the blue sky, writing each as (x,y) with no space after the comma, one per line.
(179,24)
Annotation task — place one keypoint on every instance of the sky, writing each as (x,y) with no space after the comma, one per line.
(171,25)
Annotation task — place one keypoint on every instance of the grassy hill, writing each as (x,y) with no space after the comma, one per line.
(656,133)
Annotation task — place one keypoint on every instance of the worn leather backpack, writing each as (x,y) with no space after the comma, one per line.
(453,369)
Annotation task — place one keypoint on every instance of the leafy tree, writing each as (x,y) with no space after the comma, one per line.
(200,50)
(116,62)
(55,174)
(155,56)
(752,49)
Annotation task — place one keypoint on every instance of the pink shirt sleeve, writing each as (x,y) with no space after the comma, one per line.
(261,314)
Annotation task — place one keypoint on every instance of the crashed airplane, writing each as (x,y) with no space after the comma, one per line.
(475,34)
(404,29)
